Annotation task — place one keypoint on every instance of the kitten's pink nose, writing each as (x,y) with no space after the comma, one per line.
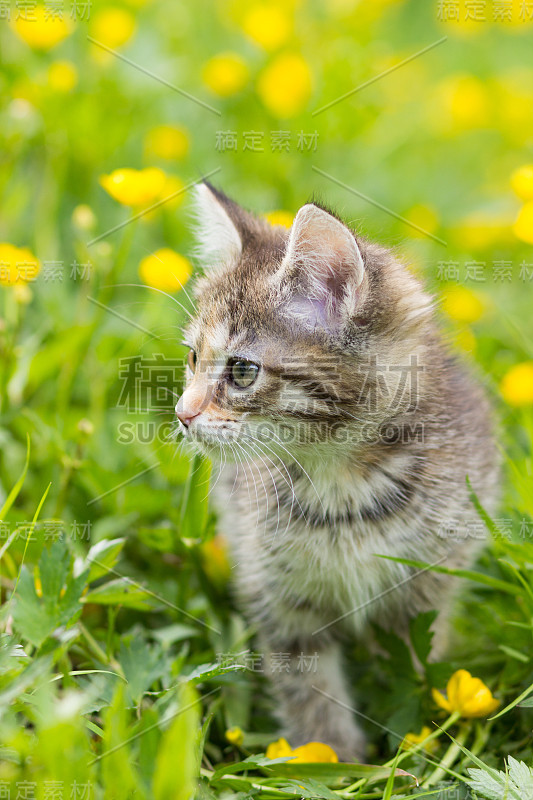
(186,416)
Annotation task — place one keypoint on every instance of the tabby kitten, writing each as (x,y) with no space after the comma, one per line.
(318,377)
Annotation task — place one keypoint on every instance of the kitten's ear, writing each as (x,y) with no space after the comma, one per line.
(218,235)
(323,261)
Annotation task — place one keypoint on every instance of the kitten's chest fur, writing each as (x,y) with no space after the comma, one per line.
(307,545)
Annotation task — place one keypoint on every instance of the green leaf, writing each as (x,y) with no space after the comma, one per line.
(491,525)
(469,574)
(120,778)
(38,617)
(36,670)
(161,539)
(142,665)
(332,772)
(124,592)
(12,496)
(194,509)
(310,789)
(102,557)
(177,764)
(206,671)
(11,653)
(519,700)
(421,635)
(491,777)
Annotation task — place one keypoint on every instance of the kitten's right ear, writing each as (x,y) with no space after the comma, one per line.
(219,241)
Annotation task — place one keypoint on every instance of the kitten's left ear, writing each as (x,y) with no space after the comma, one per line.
(219,230)
(322,261)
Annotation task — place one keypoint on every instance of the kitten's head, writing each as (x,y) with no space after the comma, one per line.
(297,332)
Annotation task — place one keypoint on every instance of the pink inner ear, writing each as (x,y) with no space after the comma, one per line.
(310,312)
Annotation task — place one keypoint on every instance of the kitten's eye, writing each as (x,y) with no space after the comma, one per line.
(192,359)
(242,373)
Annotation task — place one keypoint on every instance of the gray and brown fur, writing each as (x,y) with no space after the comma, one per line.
(362,468)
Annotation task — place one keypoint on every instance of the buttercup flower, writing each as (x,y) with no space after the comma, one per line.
(215,560)
(18,265)
(62,76)
(462,304)
(40,29)
(235,736)
(113,27)
(135,187)
(267,24)
(423,217)
(523,227)
(412,739)
(466,695)
(284,86)
(167,141)
(517,384)
(481,230)
(314,752)
(522,182)
(166,270)
(83,217)
(465,101)
(310,753)
(278,749)
(284,218)
(225,74)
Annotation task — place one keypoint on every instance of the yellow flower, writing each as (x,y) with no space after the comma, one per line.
(517,384)
(465,102)
(267,24)
(512,94)
(225,74)
(313,753)
(18,265)
(83,218)
(113,27)
(215,560)
(134,187)
(285,84)
(171,196)
(310,753)
(424,217)
(166,270)
(463,304)
(481,231)
(523,227)
(235,736)
(40,29)
(412,739)
(284,218)
(466,695)
(522,182)
(62,76)
(167,141)
(279,749)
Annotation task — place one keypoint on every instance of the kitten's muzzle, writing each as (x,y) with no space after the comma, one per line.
(186,416)
(192,402)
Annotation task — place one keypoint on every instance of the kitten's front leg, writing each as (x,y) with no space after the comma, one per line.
(314,704)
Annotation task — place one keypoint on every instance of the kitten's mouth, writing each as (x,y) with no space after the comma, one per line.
(210,433)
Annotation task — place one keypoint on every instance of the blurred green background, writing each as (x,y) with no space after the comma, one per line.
(414,120)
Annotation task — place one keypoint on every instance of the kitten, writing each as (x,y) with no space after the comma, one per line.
(317,370)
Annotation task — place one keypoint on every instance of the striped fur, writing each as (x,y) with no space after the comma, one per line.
(355,440)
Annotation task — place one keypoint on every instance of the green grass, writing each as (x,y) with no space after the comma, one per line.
(123,659)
